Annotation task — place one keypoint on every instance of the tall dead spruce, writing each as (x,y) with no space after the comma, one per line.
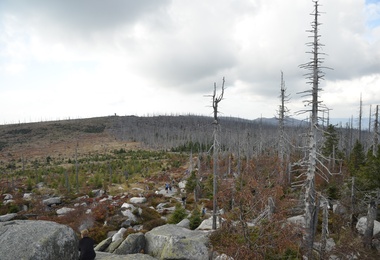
(282,113)
(215,102)
(312,162)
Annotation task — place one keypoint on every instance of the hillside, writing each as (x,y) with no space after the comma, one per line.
(102,163)
(60,138)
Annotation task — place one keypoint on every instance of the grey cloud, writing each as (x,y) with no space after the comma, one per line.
(85,15)
(183,68)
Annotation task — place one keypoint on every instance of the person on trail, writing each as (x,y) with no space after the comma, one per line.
(183,197)
(166,187)
(203,212)
(86,246)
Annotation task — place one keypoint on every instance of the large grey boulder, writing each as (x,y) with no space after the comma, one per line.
(109,256)
(102,246)
(34,240)
(175,242)
(133,244)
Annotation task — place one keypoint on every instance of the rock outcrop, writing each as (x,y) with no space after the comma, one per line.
(175,242)
(28,239)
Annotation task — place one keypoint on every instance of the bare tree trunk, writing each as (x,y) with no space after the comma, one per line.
(325,231)
(67,181)
(215,174)
(370,119)
(376,131)
(215,103)
(310,194)
(353,220)
(76,168)
(360,119)
(281,148)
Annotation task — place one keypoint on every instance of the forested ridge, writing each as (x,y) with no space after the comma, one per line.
(74,157)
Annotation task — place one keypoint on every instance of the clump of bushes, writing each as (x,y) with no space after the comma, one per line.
(149,225)
(195,219)
(148,214)
(178,214)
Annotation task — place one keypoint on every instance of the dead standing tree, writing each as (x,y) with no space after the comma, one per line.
(283,110)
(314,77)
(215,102)
(376,131)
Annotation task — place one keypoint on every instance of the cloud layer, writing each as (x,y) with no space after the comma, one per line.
(83,58)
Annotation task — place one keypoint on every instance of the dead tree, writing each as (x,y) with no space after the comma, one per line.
(376,131)
(282,114)
(76,168)
(325,230)
(370,119)
(215,103)
(360,119)
(314,76)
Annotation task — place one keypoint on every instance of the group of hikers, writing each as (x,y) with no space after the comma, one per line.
(168,187)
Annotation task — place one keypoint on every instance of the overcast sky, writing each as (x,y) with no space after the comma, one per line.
(88,58)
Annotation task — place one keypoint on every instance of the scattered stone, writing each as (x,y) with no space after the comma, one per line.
(182,184)
(339,209)
(137,200)
(298,220)
(52,201)
(64,211)
(98,193)
(128,213)
(362,225)
(128,206)
(7,196)
(6,202)
(7,217)
(27,196)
